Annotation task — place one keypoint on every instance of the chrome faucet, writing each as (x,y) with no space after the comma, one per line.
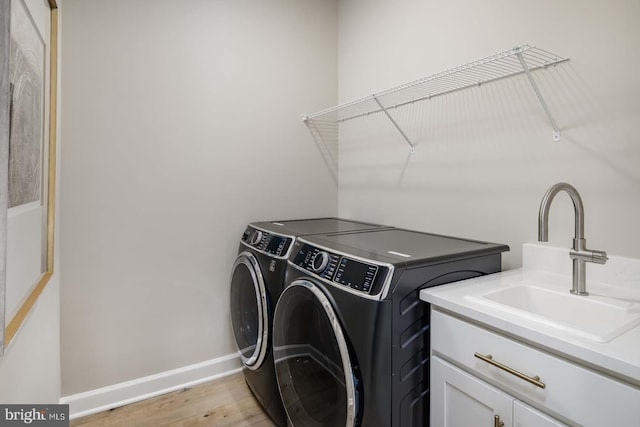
(580,254)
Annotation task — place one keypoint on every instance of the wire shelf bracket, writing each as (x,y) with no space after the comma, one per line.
(524,59)
(534,86)
(394,123)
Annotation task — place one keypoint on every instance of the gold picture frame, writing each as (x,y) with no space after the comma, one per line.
(10,327)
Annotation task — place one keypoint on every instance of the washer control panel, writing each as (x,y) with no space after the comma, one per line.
(340,269)
(269,243)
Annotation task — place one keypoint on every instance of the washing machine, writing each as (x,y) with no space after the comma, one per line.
(351,336)
(257,280)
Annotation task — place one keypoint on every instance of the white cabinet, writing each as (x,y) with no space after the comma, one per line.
(458,399)
(472,366)
(525,416)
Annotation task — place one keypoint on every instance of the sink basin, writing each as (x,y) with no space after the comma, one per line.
(596,318)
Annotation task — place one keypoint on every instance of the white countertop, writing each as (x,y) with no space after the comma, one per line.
(619,278)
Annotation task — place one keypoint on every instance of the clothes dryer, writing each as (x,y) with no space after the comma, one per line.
(257,280)
(351,336)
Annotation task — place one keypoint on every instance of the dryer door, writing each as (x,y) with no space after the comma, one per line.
(249,311)
(312,362)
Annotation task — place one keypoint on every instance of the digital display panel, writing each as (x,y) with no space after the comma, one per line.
(355,274)
(275,245)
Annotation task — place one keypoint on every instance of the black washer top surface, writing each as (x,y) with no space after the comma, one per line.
(302,227)
(404,247)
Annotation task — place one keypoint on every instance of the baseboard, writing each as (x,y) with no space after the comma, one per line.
(105,398)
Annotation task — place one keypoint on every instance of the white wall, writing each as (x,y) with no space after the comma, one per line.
(30,367)
(484,157)
(182,125)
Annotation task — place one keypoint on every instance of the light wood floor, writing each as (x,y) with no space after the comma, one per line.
(224,402)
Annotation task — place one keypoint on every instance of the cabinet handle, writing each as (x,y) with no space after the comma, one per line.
(489,359)
(497,422)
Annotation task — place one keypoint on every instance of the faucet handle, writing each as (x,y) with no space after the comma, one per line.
(588,255)
(599,257)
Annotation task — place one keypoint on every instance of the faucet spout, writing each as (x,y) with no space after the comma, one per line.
(545,205)
(580,255)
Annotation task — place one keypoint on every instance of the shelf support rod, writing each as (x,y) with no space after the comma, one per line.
(394,123)
(556,129)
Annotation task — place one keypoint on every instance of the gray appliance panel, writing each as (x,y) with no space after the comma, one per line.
(404,247)
(302,227)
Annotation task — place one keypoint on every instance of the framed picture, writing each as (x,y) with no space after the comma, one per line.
(28,99)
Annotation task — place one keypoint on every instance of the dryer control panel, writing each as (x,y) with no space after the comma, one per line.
(266,242)
(340,269)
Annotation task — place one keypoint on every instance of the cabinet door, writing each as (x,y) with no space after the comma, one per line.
(525,416)
(578,394)
(458,399)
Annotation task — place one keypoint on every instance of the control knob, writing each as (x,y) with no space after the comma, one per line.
(256,237)
(320,262)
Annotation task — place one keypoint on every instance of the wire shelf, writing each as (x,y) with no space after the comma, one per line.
(512,62)
(495,67)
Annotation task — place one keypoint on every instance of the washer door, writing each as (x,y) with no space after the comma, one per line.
(249,311)
(312,362)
